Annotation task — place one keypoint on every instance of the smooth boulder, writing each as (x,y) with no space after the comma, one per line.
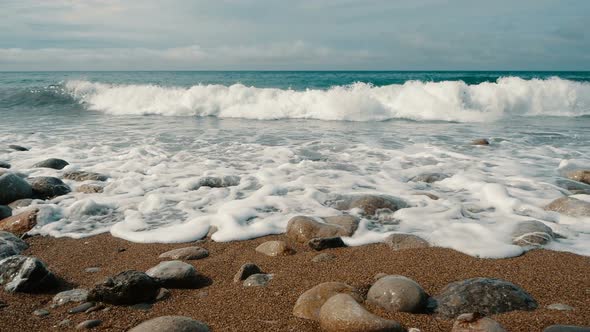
(401,241)
(175,274)
(474,322)
(171,324)
(580,176)
(570,206)
(72,295)
(397,294)
(129,287)
(531,233)
(188,253)
(322,243)
(309,303)
(17,147)
(275,248)
(4,164)
(369,205)
(51,163)
(11,245)
(47,187)
(84,176)
(302,229)
(21,223)
(13,187)
(25,274)
(217,182)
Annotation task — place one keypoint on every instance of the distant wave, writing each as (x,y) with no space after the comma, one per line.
(415,100)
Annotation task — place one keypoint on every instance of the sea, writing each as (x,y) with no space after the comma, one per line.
(286,143)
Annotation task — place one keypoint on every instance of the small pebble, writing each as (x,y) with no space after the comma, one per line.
(41,312)
(560,306)
(88,324)
(92,269)
(81,308)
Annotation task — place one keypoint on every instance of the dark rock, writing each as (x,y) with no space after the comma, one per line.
(90,188)
(566,328)
(21,223)
(325,243)
(560,307)
(369,205)
(474,322)
(47,187)
(309,303)
(81,308)
(163,294)
(480,141)
(51,163)
(17,147)
(5,211)
(13,187)
(400,241)
(171,324)
(84,176)
(323,257)
(257,280)
(188,253)
(397,294)
(175,274)
(429,177)
(11,245)
(25,274)
(482,295)
(129,287)
(570,206)
(531,233)
(88,324)
(302,229)
(4,164)
(245,271)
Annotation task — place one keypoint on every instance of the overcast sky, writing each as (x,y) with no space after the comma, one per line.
(298,35)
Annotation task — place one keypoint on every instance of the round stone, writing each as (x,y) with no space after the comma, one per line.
(397,293)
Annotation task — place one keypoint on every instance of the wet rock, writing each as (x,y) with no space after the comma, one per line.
(429,177)
(531,233)
(73,295)
(26,275)
(566,328)
(275,248)
(129,287)
(5,211)
(47,187)
(41,312)
(342,313)
(13,187)
(81,308)
(217,182)
(257,280)
(302,229)
(171,324)
(245,271)
(400,241)
(90,188)
(309,303)
(474,322)
(4,164)
(51,163)
(580,176)
(175,274)
(570,206)
(88,324)
(163,294)
(20,203)
(188,253)
(326,243)
(323,257)
(397,294)
(21,223)
(487,296)
(11,245)
(84,176)
(480,141)
(17,147)
(369,205)
(560,307)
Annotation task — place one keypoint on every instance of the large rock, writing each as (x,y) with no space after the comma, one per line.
(531,233)
(52,163)
(72,295)
(400,241)
(171,324)
(275,248)
(25,274)
(429,177)
(397,293)
(302,229)
(17,147)
(580,176)
(84,176)
(217,182)
(245,271)
(570,206)
(370,204)
(47,187)
(482,295)
(11,245)
(129,287)
(308,305)
(5,211)
(342,313)
(13,187)
(175,274)
(21,223)
(4,164)
(476,323)
(188,253)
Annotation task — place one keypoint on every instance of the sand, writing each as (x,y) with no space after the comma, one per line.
(549,276)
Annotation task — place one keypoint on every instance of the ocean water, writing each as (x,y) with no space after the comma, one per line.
(298,140)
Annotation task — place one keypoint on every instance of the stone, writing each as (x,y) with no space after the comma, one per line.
(41,312)
(325,243)
(309,303)
(302,229)
(175,274)
(343,313)
(188,253)
(129,287)
(566,328)
(84,176)
(257,280)
(487,296)
(217,182)
(397,294)
(4,164)
(429,177)
(163,294)
(25,275)
(47,187)
(275,248)
(90,188)
(323,257)
(570,206)
(560,307)
(5,211)
(13,187)
(92,269)
(81,308)
(21,223)
(531,233)
(17,147)
(369,205)
(88,324)
(401,241)
(473,322)
(51,163)
(171,324)
(480,141)
(96,307)
(72,295)
(580,176)
(11,245)
(245,271)
(21,203)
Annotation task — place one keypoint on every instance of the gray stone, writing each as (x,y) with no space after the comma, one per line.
(47,187)
(96,307)
(400,241)
(88,324)
(188,253)
(171,324)
(245,271)
(5,211)
(163,294)
(81,308)
(397,294)
(429,177)
(129,287)
(487,296)
(41,312)
(369,205)
(51,163)
(89,188)
(72,295)
(13,187)
(17,147)
(570,206)
(217,182)
(257,280)
(342,313)
(323,257)
(175,274)
(275,248)
(309,303)
(474,322)
(302,229)
(11,245)
(84,176)
(25,274)
(580,176)
(560,307)
(326,243)
(566,328)
(4,164)
(531,233)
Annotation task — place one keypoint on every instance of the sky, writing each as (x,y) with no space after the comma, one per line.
(294,35)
